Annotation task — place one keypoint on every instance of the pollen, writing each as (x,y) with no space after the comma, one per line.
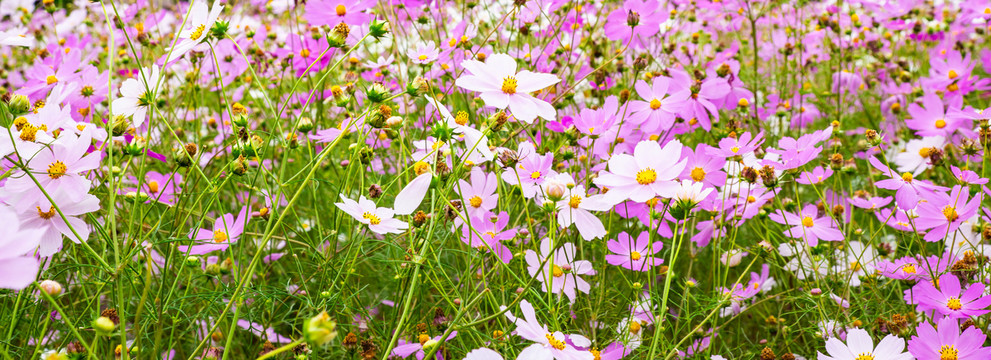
(509,85)
(952,74)
(635,255)
(575,201)
(557,271)
(46,214)
(735,149)
(948,352)
(198,32)
(855,266)
(535,175)
(808,221)
(655,104)
(461,118)
(422,57)
(953,303)
(341,10)
(950,213)
(372,218)
(422,338)
(56,169)
(909,269)
(554,342)
(305,53)
(698,174)
(941,123)
(743,102)
(907,177)
(751,199)
(153,187)
(475,201)
(646,176)
(51,79)
(924,152)
(864,356)
(219,236)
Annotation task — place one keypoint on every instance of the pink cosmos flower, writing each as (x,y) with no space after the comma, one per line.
(908,190)
(575,207)
(634,255)
(18,265)
(599,121)
(488,231)
(547,345)
(423,53)
(404,349)
(934,119)
(46,218)
(948,342)
(479,197)
(226,231)
(380,220)
(659,107)
(943,214)
(500,86)
(60,168)
(860,345)
(948,300)
(651,171)
(702,167)
(483,354)
(808,225)
(531,171)
(816,176)
(733,146)
(333,12)
(563,273)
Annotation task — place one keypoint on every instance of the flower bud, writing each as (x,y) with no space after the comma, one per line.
(632,18)
(103,325)
(19,104)
(51,287)
(338,35)
(305,125)
(378,29)
(320,330)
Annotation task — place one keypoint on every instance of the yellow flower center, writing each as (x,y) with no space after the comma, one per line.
(940,124)
(509,85)
(808,221)
(635,255)
(575,201)
(646,176)
(751,199)
(304,53)
(909,269)
(422,57)
(341,10)
(198,32)
(743,102)
(475,201)
(948,352)
(735,149)
(372,218)
(56,169)
(219,236)
(953,303)
(950,213)
(46,214)
(557,271)
(153,187)
(634,327)
(698,174)
(855,266)
(51,79)
(461,118)
(557,344)
(952,74)
(596,354)
(655,104)
(907,177)
(535,175)
(423,338)
(864,356)
(924,152)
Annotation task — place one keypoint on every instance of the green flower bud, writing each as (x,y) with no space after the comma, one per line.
(103,325)
(320,330)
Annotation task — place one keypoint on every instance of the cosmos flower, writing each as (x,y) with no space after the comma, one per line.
(808,225)
(548,345)
(196,30)
(500,85)
(946,341)
(950,299)
(859,346)
(226,231)
(138,95)
(563,273)
(649,172)
(634,255)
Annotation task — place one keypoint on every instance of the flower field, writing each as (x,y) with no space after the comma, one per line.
(495,179)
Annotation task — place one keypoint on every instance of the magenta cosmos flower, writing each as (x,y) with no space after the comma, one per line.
(226,231)
(651,171)
(479,196)
(659,107)
(859,345)
(943,214)
(948,299)
(333,12)
(808,225)
(947,343)
(563,273)
(500,86)
(487,231)
(634,255)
